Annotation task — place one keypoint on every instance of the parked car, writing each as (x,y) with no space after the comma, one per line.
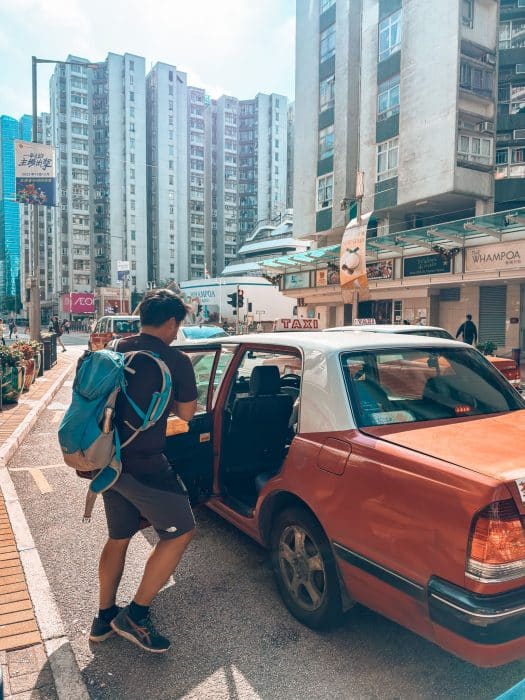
(379,470)
(508,367)
(199,333)
(108,328)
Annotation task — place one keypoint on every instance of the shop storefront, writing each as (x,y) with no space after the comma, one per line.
(429,276)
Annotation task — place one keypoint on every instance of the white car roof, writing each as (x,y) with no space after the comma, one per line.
(385,328)
(335,342)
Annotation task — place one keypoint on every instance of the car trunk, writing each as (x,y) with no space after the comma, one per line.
(491,445)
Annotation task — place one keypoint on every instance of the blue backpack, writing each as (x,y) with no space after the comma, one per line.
(87,436)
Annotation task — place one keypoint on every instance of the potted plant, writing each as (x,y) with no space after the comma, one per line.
(488,348)
(12,373)
(37,356)
(28,360)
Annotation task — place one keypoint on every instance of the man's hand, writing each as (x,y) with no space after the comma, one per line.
(185,410)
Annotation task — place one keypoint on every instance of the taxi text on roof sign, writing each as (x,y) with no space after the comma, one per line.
(296,324)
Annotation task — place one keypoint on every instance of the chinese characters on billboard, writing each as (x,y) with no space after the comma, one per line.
(35,173)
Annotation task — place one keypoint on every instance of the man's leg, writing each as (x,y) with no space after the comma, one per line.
(162,562)
(110,568)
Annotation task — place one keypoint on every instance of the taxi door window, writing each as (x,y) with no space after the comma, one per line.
(203,365)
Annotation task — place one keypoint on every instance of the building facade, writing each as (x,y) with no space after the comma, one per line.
(379,131)
(510,152)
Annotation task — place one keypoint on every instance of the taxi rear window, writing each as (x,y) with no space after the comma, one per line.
(409,385)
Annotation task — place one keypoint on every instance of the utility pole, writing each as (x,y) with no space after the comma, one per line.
(237,312)
(34,291)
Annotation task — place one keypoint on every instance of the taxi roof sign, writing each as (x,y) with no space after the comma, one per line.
(296,324)
(364,322)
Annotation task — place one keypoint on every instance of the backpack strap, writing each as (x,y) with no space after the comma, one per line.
(159,400)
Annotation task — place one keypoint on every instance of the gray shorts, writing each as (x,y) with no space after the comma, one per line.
(158,496)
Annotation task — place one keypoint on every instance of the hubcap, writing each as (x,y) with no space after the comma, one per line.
(302,568)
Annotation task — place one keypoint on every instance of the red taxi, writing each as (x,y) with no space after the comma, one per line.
(378,469)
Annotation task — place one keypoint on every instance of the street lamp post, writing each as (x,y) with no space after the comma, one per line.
(34,289)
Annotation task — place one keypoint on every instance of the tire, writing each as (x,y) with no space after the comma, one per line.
(305,570)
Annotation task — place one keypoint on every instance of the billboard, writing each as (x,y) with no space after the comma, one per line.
(122,270)
(35,173)
(82,303)
(426,265)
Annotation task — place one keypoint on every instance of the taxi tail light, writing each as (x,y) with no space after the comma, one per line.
(496,550)
(513,374)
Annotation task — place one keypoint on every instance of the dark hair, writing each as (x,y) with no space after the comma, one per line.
(159,305)
(469,317)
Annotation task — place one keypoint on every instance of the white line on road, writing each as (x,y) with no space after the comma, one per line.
(28,469)
(57,417)
(41,481)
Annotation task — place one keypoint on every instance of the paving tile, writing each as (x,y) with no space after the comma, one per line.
(8,568)
(15,578)
(17,628)
(15,616)
(29,681)
(14,605)
(13,588)
(19,641)
(8,556)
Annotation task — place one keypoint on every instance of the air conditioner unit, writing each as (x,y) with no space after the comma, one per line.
(487,127)
(489,58)
(518,134)
(325,204)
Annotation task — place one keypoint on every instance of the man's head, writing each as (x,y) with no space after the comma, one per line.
(161,313)
(469,317)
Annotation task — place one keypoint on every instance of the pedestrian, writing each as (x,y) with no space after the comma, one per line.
(468,331)
(57,329)
(67,326)
(2,330)
(148,486)
(12,328)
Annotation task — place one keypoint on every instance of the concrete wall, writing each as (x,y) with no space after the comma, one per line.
(452,313)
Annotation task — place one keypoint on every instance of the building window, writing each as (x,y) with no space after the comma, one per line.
(170,76)
(502,156)
(131,96)
(467,13)
(170,180)
(324,5)
(518,155)
(326,142)
(132,65)
(388,98)
(475,149)
(474,78)
(512,34)
(387,158)
(325,186)
(327,44)
(517,99)
(326,93)
(389,35)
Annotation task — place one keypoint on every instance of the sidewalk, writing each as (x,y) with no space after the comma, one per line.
(28,672)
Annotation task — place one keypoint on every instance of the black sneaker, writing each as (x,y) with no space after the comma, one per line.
(100,629)
(143,634)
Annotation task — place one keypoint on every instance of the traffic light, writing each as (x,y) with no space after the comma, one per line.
(240,301)
(232,299)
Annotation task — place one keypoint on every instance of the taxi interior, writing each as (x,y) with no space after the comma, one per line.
(251,399)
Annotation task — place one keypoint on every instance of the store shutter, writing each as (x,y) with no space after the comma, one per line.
(492,314)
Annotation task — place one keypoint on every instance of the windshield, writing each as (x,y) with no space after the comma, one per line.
(201,332)
(127,326)
(407,385)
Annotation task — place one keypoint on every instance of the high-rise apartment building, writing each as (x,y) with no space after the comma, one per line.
(98,116)
(262,159)
(199,184)
(289,157)
(396,110)
(510,152)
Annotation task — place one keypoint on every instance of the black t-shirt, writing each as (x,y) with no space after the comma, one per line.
(141,386)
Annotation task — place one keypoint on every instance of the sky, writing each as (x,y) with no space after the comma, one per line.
(233,47)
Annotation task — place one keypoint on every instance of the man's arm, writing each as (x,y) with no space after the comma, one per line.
(460,330)
(184,409)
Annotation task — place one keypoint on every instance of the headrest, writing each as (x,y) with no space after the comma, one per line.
(265,380)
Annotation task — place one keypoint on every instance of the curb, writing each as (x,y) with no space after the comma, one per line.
(64,668)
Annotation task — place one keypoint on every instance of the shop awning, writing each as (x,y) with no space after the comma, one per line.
(427,239)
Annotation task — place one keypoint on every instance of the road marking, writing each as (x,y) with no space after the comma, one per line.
(41,481)
(68,383)
(28,469)
(57,416)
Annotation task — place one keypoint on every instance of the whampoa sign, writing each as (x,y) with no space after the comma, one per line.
(498,256)
(296,324)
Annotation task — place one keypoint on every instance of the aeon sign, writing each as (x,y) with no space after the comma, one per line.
(82,303)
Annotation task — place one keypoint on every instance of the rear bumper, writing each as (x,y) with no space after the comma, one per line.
(482,619)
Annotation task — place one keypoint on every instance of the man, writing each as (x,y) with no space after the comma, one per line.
(58,331)
(468,330)
(147,487)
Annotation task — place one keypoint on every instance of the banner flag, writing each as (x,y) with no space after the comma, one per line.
(352,262)
(35,173)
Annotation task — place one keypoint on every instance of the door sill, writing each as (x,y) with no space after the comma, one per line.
(238,506)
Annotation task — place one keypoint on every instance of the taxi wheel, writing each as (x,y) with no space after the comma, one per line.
(305,569)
